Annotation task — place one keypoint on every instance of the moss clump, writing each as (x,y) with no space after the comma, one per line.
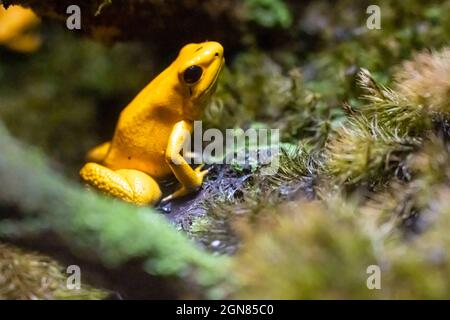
(392,109)
(224,209)
(311,250)
(425,80)
(379,134)
(27,275)
(400,205)
(365,151)
(305,251)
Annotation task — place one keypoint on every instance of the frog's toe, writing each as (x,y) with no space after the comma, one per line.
(199,168)
(177,194)
(201,173)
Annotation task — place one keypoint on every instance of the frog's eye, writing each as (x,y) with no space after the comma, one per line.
(192,74)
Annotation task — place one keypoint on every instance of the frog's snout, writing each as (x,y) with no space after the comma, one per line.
(212,49)
(218,50)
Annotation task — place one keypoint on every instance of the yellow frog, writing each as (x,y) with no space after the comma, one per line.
(17,26)
(152,129)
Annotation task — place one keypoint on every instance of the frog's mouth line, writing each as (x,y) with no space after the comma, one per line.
(208,89)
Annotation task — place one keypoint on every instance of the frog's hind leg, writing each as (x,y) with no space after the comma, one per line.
(98,153)
(127,184)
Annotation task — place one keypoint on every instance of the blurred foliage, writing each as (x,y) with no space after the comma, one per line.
(269,13)
(17,31)
(109,230)
(256,90)
(317,253)
(27,275)
(152,20)
(324,250)
(424,81)
(64,91)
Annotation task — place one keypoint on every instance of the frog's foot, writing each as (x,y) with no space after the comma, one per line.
(187,189)
(127,184)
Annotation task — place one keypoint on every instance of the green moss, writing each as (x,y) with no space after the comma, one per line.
(362,150)
(27,275)
(254,197)
(269,13)
(322,252)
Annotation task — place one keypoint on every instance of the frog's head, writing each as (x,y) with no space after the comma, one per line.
(199,65)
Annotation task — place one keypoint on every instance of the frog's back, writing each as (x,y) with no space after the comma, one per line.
(143,130)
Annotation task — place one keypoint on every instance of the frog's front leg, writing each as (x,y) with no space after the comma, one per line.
(98,153)
(189,178)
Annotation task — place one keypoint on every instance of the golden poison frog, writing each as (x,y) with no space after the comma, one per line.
(152,129)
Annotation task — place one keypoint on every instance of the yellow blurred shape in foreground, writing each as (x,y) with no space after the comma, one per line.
(17,29)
